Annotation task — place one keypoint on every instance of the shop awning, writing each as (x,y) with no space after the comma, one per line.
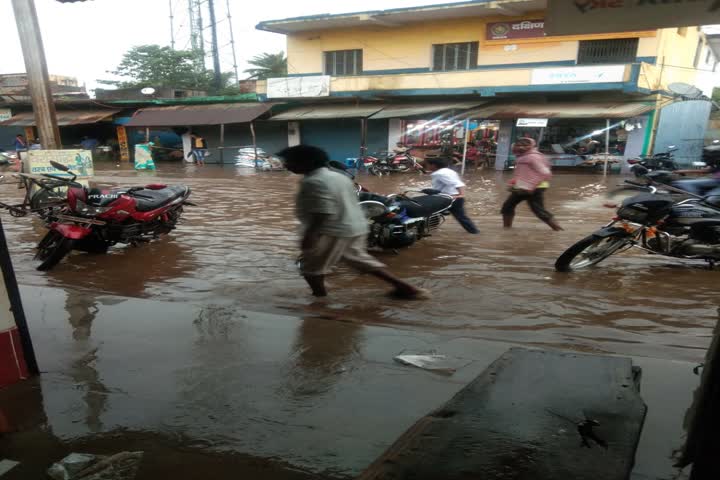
(64,118)
(323,112)
(415,109)
(560,110)
(189,115)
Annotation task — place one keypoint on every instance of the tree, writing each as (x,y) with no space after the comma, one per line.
(157,66)
(268,65)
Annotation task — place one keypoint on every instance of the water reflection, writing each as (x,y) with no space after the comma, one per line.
(323,350)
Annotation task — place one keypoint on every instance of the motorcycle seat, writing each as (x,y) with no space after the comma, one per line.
(365,196)
(425,205)
(147,199)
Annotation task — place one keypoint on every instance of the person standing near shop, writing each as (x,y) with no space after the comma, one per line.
(529,183)
(446,180)
(20,144)
(199,148)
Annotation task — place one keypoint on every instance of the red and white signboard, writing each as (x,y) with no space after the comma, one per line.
(515,30)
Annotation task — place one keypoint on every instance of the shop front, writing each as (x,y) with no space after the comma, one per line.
(592,135)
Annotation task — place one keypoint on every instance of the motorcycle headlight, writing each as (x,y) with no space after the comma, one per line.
(89,210)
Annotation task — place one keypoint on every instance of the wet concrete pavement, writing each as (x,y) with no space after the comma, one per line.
(217,391)
(278,383)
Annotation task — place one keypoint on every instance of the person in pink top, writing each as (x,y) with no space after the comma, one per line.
(529,182)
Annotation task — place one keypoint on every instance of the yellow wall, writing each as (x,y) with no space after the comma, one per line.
(675,59)
(410,46)
(434,80)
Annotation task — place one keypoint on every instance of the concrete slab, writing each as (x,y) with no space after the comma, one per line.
(208,382)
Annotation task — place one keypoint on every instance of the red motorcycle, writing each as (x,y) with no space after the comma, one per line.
(95,219)
(398,161)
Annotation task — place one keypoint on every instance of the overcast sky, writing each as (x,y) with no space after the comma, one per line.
(86,39)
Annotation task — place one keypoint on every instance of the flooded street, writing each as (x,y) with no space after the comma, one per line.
(239,246)
(205,349)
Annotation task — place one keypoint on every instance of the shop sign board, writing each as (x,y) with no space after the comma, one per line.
(5,114)
(531,122)
(79,161)
(294,87)
(593,74)
(582,17)
(513,30)
(123,144)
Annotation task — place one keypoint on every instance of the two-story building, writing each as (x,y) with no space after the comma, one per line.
(414,74)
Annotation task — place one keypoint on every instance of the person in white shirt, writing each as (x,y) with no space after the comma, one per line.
(334,227)
(446,180)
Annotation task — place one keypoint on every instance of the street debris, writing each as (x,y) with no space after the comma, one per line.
(7,465)
(430,361)
(83,466)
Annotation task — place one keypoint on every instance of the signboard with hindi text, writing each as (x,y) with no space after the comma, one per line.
(515,30)
(79,161)
(583,17)
(294,87)
(566,75)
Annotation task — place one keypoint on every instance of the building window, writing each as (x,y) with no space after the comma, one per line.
(455,56)
(607,51)
(343,62)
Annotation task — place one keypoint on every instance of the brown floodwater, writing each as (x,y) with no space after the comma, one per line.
(239,246)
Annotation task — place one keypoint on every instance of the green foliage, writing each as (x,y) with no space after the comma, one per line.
(157,66)
(268,65)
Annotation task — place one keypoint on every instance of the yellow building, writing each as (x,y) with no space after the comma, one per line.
(435,64)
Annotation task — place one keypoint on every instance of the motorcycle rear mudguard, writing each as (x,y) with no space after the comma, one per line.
(608,232)
(74,232)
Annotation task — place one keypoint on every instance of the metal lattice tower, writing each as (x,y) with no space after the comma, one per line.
(197,39)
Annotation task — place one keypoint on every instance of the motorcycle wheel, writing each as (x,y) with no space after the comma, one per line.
(52,249)
(46,199)
(589,251)
(373,170)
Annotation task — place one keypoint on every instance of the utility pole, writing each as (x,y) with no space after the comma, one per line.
(215,51)
(172,26)
(232,43)
(36,68)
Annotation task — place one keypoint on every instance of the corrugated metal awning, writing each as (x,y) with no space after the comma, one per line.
(415,109)
(64,118)
(322,112)
(189,115)
(561,110)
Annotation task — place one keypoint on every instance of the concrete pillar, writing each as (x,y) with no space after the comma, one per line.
(293,134)
(503,143)
(394,133)
(635,140)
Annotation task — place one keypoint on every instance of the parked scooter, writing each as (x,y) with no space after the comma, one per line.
(96,219)
(398,221)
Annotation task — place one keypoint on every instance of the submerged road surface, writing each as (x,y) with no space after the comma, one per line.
(187,366)
(239,245)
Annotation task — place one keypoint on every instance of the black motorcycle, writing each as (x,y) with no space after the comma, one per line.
(665,161)
(658,223)
(398,221)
